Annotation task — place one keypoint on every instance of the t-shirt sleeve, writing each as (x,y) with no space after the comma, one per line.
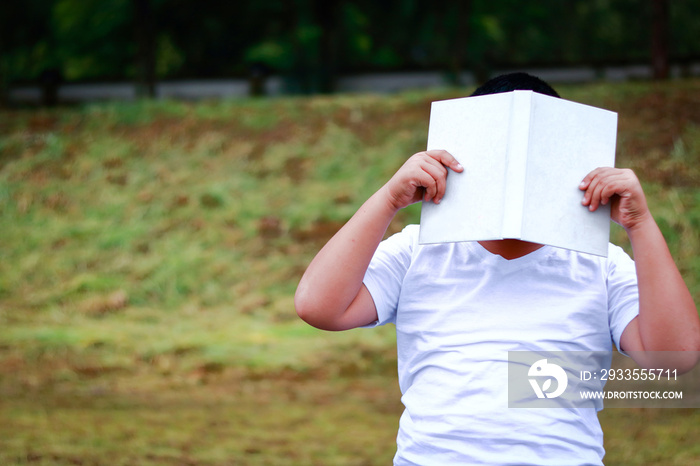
(623,294)
(386,271)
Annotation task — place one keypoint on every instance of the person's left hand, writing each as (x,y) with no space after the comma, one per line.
(621,187)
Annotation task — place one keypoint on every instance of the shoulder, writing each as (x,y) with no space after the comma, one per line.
(406,238)
(617,266)
(616,255)
(618,259)
(412,230)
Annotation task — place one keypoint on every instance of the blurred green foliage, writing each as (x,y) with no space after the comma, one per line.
(311,41)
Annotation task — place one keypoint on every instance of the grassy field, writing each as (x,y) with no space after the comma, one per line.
(150,252)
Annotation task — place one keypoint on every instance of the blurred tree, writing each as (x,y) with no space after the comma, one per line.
(326,17)
(311,42)
(50,79)
(659,39)
(145,38)
(684,30)
(27,50)
(460,36)
(94,38)
(222,39)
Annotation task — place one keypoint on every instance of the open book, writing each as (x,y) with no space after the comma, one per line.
(524,155)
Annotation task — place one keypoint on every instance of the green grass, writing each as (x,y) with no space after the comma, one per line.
(150,252)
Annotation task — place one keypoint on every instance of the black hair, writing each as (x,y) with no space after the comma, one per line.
(515,82)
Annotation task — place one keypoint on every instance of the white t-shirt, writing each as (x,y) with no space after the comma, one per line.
(458,310)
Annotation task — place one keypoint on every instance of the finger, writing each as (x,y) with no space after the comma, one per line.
(438,182)
(608,184)
(592,182)
(598,187)
(442,169)
(431,189)
(615,185)
(446,159)
(427,182)
(589,177)
(590,188)
(439,172)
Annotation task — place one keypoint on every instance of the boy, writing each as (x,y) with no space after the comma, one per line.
(460,307)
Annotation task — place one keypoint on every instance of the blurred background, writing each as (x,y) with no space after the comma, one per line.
(76,50)
(169,168)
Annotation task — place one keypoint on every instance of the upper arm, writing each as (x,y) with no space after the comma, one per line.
(631,343)
(362,311)
(317,313)
(630,340)
(378,294)
(623,300)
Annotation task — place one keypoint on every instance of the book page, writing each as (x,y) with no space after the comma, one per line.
(475,131)
(567,141)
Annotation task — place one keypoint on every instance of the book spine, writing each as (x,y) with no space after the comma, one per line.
(516,164)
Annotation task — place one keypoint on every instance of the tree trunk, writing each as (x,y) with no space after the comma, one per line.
(460,38)
(4,88)
(144,33)
(326,17)
(659,38)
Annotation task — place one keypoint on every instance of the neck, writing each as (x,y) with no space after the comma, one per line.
(510,248)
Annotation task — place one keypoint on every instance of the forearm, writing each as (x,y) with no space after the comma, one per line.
(330,295)
(334,277)
(668,319)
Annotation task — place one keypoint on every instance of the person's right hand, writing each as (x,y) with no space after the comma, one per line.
(422,177)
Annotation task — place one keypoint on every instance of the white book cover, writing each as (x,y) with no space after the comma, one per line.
(524,155)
